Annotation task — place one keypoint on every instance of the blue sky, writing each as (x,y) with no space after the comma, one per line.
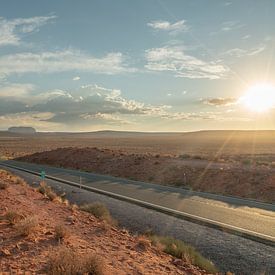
(135,65)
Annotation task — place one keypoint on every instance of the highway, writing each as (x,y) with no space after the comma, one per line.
(248,218)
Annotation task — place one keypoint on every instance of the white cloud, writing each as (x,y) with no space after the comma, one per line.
(15,90)
(106,118)
(238,52)
(220,101)
(76,78)
(61,61)
(172,28)
(174,59)
(12,30)
(231,25)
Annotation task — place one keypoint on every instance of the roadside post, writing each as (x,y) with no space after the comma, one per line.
(43,175)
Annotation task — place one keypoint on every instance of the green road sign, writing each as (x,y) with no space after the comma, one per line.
(43,175)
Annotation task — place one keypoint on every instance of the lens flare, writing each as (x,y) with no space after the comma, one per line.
(259,98)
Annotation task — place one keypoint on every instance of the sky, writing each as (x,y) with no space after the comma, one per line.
(146,65)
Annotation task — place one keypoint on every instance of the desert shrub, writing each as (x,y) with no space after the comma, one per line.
(73,207)
(179,249)
(52,196)
(99,210)
(13,217)
(18,180)
(63,261)
(27,226)
(3,185)
(93,265)
(47,191)
(143,243)
(66,261)
(61,232)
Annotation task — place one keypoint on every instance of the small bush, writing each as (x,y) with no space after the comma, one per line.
(99,210)
(47,191)
(13,217)
(52,196)
(180,250)
(61,232)
(66,261)
(27,226)
(73,207)
(143,243)
(63,261)
(18,180)
(3,185)
(93,265)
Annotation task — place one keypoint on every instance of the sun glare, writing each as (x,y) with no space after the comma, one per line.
(259,98)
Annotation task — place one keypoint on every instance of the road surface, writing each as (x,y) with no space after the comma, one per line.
(249,217)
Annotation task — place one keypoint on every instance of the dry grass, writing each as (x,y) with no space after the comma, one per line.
(73,207)
(3,185)
(27,226)
(13,217)
(100,211)
(180,250)
(143,243)
(47,191)
(61,232)
(94,265)
(65,261)
(18,180)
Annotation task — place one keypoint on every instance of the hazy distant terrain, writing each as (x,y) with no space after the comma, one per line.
(207,144)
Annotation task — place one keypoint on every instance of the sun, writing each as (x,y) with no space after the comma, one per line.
(259,98)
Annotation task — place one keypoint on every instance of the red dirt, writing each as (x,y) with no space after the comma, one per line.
(120,251)
(222,178)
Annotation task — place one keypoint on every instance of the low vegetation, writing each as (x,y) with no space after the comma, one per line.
(13,217)
(61,232)
(27,226)
(179,249)
(100,211)
(47,191)
(3,185)
(67,261)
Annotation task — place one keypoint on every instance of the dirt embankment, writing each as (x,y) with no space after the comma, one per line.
(37,233)
(223,178)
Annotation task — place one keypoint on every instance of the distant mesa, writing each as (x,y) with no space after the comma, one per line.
(22,130)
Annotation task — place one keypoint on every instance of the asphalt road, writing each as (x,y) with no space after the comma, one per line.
(251,216)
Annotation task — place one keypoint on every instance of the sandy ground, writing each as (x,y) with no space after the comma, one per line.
(121,253)
(226,178)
